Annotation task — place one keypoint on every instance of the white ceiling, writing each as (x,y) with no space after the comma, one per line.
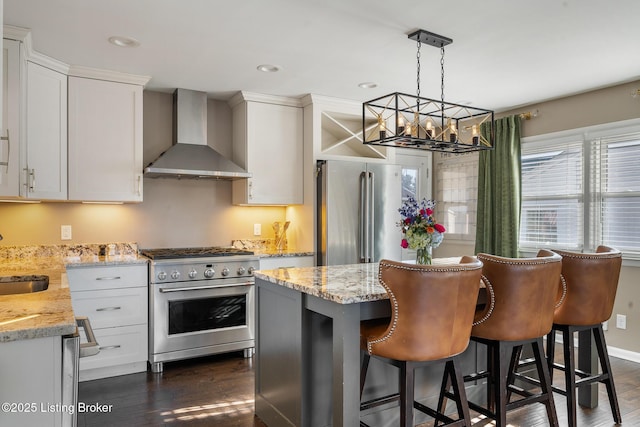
(504,53)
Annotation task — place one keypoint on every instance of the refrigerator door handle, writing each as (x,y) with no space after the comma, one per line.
(363,226)
(372,222)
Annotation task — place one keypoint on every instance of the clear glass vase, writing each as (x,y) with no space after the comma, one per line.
(423,256)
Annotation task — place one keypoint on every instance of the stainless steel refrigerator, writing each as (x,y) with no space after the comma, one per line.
(357,212)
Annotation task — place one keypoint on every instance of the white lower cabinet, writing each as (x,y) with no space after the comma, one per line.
(31,382)
(115,299)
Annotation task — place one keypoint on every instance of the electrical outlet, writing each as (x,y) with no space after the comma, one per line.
(605,325)
(65,232)
(257,229)
(621,321)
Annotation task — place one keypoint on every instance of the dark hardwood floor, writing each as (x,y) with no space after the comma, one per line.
(218,391)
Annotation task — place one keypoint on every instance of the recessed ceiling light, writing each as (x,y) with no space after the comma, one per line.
(268,68)
(368,85)
(122,41)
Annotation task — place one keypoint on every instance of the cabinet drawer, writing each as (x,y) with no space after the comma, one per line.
(112,277)
(112,307)
(118,346)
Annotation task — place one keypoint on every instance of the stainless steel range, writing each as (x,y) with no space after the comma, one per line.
(201,302)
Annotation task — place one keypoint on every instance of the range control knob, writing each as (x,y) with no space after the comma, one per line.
(251,270)
(241,271)
(209,272)
(225,271)
(193,274)
(175,275)
(162,275)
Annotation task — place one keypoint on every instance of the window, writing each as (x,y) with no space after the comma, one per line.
(581,189)
(457,193)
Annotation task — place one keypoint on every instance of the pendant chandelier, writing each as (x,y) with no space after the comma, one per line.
(408,121)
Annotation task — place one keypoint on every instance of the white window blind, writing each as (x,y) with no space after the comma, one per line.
(552,195)
(616,187)
(456,194)
(582,189)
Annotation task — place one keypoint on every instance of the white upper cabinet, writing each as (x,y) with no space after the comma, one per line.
(33,162)
(9,167)
(44,168)
(105,140)
(268,143)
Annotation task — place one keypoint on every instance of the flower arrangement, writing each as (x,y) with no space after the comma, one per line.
(419,228)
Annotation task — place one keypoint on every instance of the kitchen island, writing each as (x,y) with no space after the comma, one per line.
(307,345)
(307,362)
(294,308)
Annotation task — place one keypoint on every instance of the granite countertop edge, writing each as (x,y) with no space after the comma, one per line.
(272,253)
(342,284)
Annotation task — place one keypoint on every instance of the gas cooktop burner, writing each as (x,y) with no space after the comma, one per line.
(207,252)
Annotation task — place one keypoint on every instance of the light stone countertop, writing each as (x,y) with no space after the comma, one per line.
(265,248)
(49,312)
(343,284)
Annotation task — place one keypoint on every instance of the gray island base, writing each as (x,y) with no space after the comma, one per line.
(307,360)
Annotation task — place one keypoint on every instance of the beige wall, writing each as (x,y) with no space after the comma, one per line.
(587,109)
(174,212)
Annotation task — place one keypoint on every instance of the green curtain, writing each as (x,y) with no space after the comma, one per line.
(499,191)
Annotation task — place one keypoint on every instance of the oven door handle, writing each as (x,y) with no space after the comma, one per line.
(199,288)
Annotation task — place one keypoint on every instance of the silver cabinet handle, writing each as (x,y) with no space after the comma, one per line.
(31,179)
(139,184)
(108,278)
(6,138)
(110,347)
(108,308)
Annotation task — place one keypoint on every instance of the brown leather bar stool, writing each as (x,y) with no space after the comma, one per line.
(591,281)
(432,312)
(522,299)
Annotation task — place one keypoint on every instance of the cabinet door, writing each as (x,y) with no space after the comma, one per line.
(105,141)
(31,372)
(45,170)
(272,152)
(9,167)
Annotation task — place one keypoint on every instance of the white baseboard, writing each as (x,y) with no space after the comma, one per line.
(620,353)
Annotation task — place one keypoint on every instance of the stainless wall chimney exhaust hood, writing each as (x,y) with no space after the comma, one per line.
(190,157)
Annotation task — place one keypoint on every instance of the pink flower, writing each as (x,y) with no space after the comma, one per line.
(440,228)
(404,243)
(429,212)
(407,220)
(423,212)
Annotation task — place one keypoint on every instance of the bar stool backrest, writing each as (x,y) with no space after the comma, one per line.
(432,309)
(523,298)
(591,284)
